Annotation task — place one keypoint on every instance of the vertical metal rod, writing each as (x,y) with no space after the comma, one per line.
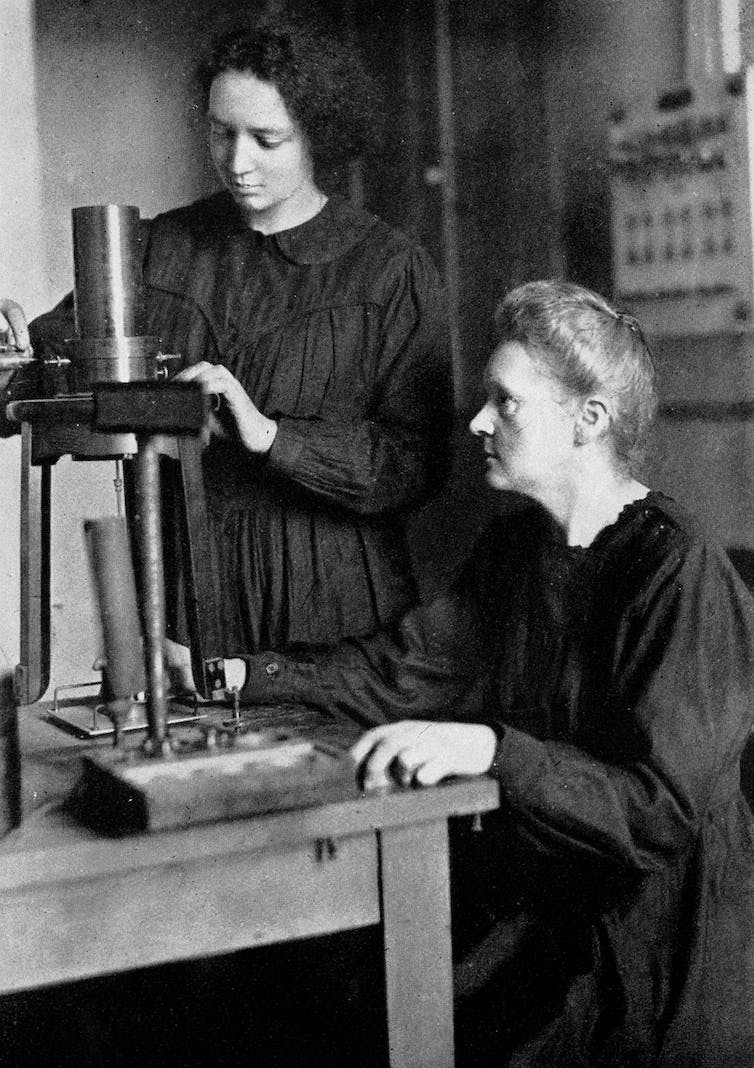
(411,122)
(33,670)
(355,172)
(149,532)
(118,484)
(704,59)
(448,164)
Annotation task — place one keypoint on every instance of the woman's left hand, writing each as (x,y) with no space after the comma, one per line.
(422,752)
(255,430)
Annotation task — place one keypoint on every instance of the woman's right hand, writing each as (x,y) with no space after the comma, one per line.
(13,324)
(422,752)
(14,333)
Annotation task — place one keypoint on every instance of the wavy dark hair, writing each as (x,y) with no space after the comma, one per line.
(320,76)
(580,340)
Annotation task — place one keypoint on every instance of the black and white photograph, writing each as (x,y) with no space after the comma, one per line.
(377,534)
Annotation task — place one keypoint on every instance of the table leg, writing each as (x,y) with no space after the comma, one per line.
(418,962)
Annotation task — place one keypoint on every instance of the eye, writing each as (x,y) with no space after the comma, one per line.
(268,142)
(506,404)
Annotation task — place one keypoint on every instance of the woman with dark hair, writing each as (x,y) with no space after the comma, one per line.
(605,914)
(321,81)
(322,331)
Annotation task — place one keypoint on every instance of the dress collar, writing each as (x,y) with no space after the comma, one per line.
(323,238)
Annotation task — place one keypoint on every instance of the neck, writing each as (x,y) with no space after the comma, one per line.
(592,502)
(297,209)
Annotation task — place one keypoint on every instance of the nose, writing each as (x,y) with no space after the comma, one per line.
(481,425)
(241,156)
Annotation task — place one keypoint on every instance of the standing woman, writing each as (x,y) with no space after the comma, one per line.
(322,331)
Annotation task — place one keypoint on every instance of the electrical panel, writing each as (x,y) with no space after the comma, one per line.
(681,210)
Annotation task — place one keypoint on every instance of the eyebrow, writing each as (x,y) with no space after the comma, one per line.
(495,388)
(280,130)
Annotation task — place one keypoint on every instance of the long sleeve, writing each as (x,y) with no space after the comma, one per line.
(398,454)
(665,748)
(424,666)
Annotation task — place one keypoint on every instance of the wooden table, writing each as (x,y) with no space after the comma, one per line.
(75,904)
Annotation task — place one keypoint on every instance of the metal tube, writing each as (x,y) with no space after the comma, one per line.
(149,534)
(107,260)
(115,589)
(15,361)
(444,60)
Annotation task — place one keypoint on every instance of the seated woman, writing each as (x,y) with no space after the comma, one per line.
(605,914)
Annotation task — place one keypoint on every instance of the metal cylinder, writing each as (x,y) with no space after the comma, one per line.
(115,589)
(107,257)
(114,359)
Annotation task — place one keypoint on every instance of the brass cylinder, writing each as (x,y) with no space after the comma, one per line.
(107,257)
(114,359)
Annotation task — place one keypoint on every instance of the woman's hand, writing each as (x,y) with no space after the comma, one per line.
(422,752)
(181,676)
(13,326)
(255,430)
(13,332)
(178,668)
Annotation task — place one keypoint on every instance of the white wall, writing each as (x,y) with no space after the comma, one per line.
(22,263)
(96,107)
(614,52)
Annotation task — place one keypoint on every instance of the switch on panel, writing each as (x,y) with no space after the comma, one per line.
(681,210)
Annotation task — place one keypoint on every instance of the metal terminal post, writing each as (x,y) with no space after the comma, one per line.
(235,722)
(13,359)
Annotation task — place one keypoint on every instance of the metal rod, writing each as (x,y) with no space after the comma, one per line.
(118,485)
(704,60)
(17,359)
(149,533)
(444,60)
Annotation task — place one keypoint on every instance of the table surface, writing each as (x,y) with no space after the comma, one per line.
(76,903)
(52,842)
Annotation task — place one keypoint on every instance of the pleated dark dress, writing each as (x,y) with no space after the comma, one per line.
(337,329)
(605,914)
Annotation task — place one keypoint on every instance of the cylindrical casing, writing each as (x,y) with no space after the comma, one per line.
(115,588)
(107,258)
(114,359)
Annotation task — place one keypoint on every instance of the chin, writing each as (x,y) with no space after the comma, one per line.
(497,480)
(248,203)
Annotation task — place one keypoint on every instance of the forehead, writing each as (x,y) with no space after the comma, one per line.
(239,98)
(512,368)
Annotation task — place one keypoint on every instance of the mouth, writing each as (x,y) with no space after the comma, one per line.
(243,188)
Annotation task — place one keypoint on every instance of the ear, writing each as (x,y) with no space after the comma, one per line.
(592,420)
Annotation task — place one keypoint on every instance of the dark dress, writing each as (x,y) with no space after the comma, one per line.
(337,329)
(605,915)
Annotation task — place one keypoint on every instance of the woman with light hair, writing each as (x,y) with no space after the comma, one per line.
(605,914)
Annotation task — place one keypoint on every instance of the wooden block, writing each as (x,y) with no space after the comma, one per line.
(122,793)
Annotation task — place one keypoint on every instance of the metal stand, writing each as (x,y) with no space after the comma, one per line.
(115,401)
(91,426)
